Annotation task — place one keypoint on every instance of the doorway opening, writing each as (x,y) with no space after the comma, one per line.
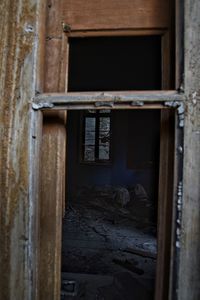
(109,235)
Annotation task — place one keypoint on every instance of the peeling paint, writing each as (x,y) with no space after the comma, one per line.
(28,28)
(180,110)
(42,105)
(179,213)
(17,21)
(194,99)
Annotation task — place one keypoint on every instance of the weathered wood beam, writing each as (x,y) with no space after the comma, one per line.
(165,200)
(92,106)
(137,98)
(17,85)
(189,265)
(52,195)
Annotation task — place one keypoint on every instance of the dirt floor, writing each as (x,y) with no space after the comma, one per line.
(107,252)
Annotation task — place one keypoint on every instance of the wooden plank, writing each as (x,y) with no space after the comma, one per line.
(165,200)
(18,39)
(178,177)
(179,45)
(117,32)
(40,62)
(172,46)
(51,205)
(53,21)
(86,106)
(148,96)
(52,65)
(34,192)
(108,14)
(64,64)
(166,65)
(55,49)
(168,51)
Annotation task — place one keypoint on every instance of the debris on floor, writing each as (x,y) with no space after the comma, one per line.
(121,286)
(107,251)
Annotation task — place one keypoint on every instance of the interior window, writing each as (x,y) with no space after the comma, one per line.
(96,137)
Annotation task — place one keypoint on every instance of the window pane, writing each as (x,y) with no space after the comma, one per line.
(89,139)
(104,124)
(90,124)
(104,152)
(89,154)
(90,131)
(93,149)
(104,138)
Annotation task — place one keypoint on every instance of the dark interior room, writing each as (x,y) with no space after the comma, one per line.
(109,238)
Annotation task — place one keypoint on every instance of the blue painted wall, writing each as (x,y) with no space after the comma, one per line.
(137,130)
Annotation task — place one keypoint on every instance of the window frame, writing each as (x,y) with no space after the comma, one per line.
(177,168)
(95,115)
(165,51)
(60,101)
(126,57)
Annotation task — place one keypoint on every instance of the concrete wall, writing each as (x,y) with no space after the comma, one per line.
(189,266)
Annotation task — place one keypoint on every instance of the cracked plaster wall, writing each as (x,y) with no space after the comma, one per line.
(189,266)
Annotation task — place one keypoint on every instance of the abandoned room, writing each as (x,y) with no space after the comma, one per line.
(100,150)
(110,222)
(110,219)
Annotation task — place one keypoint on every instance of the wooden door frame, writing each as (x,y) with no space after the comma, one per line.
(166,256)
(64,101)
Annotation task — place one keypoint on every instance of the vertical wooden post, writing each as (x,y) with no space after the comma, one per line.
(51,206)
(165,196)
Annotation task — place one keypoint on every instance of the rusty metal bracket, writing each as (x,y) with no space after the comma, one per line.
(180,110)
(37,106)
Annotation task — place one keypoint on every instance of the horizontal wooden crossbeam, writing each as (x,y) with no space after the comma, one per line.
(106,99)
